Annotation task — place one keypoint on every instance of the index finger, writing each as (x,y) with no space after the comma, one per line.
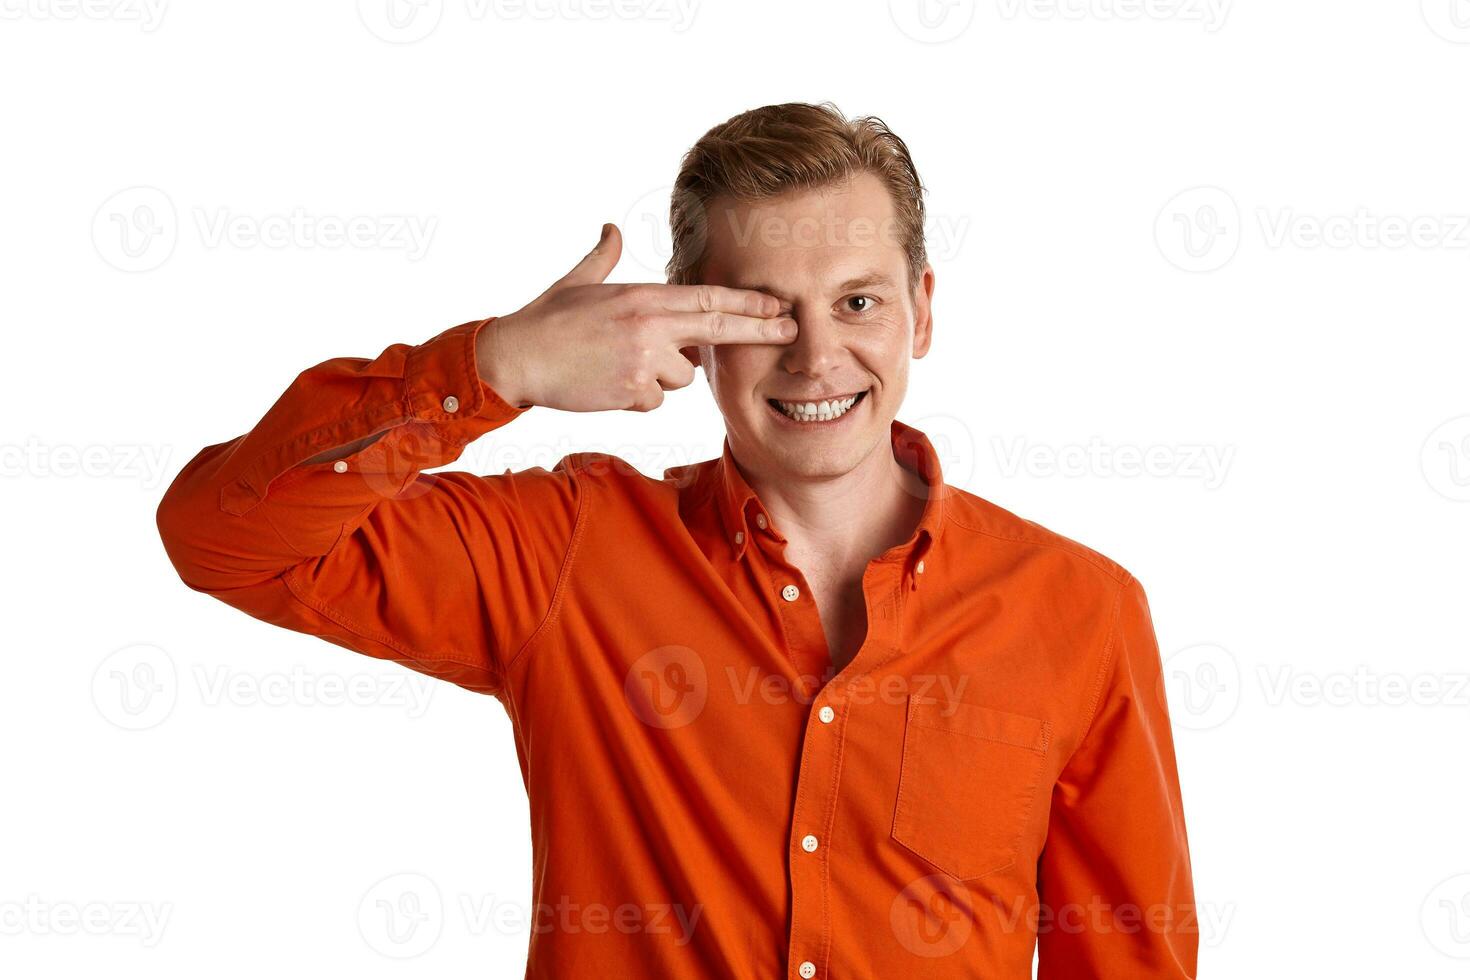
(705,298)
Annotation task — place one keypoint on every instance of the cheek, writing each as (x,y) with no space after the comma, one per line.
(736,369)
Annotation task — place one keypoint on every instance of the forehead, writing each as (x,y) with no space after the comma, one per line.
(808,237)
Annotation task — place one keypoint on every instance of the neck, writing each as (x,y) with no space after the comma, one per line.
(849,518)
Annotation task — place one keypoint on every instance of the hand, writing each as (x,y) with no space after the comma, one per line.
(589,346)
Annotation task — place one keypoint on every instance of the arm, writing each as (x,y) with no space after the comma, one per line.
(319,519)
(1116,892)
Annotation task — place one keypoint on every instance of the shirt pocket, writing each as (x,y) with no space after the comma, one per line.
(968,783)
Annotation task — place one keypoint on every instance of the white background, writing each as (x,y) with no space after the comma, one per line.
(1228,240)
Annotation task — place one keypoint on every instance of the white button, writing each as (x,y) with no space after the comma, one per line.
(451,404)
(826,714)
(808,843)
(739,537)
(791,593)
(920,568)
(340,466)
(760,521)
(808,969)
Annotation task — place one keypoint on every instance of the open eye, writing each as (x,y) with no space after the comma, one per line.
(860,304)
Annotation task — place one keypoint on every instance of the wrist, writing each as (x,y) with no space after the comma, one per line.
(497,362)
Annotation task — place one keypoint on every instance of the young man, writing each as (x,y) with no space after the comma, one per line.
(800,711)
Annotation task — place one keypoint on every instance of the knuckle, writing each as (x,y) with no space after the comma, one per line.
(705,296)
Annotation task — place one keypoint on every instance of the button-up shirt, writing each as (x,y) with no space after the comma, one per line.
(991,775)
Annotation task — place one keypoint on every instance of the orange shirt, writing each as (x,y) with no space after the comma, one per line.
(993,770)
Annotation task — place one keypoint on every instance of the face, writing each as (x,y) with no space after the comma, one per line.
(822,405)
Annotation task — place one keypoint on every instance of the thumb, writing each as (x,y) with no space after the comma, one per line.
(597,264)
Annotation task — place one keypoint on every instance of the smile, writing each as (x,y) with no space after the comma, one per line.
(821,410)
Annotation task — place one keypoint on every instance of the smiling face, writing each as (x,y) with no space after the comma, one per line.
(822,405)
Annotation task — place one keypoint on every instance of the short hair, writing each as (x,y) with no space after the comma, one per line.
(769,151)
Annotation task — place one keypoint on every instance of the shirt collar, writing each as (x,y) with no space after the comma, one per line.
(741,511)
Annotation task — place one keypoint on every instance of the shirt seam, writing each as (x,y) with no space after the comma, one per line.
(1109,661)
(1119,576)
(553,609)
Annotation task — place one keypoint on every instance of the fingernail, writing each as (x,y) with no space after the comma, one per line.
(788,328)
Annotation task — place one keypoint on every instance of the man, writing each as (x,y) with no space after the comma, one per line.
(801,711)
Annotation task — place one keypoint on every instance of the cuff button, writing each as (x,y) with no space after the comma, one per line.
(451,404)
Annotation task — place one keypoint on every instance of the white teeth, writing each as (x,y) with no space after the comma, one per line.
(823,411)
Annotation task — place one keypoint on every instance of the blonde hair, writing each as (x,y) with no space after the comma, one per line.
(768,151)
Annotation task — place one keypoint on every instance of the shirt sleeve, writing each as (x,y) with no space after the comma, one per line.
(448,573)
(1117,897)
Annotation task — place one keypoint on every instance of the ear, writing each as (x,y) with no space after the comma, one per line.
(923,311)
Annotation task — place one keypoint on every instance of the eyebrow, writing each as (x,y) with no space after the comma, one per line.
(865,281)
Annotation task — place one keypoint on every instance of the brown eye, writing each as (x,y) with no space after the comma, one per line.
(860,304)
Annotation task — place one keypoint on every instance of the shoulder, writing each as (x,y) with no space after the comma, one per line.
(990,525)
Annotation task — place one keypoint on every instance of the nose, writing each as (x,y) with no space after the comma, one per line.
(817,347)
